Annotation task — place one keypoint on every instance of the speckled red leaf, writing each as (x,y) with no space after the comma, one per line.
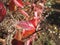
(28,28)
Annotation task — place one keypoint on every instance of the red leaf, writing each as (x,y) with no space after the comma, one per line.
(11,5)
(2,11)
(34,22)
(19,3)
(23,12)
(28,28)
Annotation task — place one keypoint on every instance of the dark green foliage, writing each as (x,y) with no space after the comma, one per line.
(54,18)
(56,6)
